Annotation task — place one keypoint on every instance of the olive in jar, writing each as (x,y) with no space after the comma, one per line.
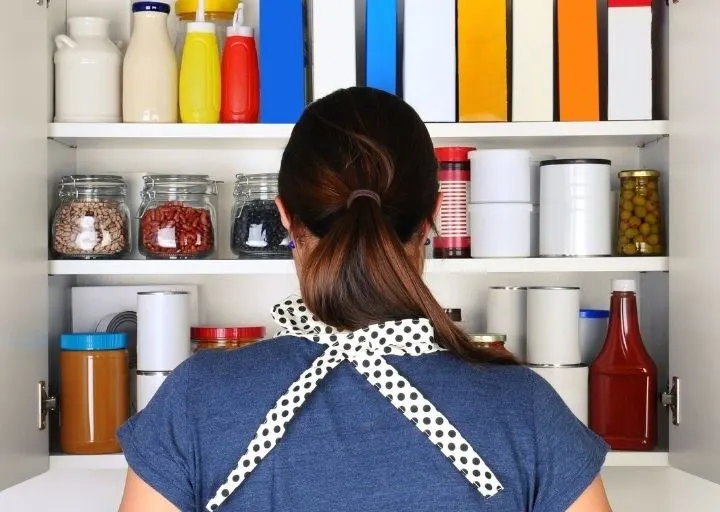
(639,214)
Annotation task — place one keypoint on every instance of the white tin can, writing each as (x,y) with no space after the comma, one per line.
(571,383)
(503,230)
(575,202)
(507,314)
(148,384)
(553,325)
(163,330)
(501,176)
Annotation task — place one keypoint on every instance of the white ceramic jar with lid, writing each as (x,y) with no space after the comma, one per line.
(87,73)
(150,73)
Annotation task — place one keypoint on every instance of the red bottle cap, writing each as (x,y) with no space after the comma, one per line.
(210,334)
(453,153)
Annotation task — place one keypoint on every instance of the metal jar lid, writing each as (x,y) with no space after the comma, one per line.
(576,161)
(638,173)
(164,292)
(488,338)
(508,288)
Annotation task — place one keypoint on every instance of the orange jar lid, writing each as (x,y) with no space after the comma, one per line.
(215,334)
(183,7)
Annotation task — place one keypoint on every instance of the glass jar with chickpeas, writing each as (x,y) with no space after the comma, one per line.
(639,214)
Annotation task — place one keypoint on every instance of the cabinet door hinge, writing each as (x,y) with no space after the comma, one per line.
(671,399)
(46,404)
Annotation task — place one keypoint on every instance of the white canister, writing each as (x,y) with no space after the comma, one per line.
(148,384)
(553,325)
(507,314)
(503,230)
(575,202)
(593,330)
(571,383)
(87,73)
(163,333)
(500,176)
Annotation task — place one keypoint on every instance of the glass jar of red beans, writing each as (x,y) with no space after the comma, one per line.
(177,217)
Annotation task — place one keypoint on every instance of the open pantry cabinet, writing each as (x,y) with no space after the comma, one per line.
(677,307)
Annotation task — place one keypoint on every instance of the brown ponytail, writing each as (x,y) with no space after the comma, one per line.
(362,269)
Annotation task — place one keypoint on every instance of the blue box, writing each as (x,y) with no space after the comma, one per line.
(381,44)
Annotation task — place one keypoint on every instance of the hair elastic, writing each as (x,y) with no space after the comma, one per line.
(362,193)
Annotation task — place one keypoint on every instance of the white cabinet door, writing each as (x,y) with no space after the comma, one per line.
(695,233)
(23,246)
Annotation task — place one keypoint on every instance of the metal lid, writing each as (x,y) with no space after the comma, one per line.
(77,185)
(93,341)
(507,288)
(581,365)
(570,161)
(165,292)
(638,173)
(265,184)
(553,288)
(226,333)
(488,338)
(200,184)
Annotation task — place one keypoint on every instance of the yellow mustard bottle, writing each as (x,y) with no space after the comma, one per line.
(199,94)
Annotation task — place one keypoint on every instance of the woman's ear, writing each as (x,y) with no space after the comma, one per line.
(283,213)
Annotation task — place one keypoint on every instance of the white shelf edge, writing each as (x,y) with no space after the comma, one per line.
(643,130)
(264,267)
(117,461)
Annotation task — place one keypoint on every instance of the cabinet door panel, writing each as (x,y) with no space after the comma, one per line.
(23,247)
(694,240)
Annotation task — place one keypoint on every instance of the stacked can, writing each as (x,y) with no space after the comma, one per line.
(453,239)
(553,344)
(163,339)
(503,213)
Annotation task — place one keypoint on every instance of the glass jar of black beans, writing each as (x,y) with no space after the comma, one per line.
(257,232)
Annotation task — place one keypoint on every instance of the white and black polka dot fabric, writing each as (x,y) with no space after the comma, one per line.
(364,349)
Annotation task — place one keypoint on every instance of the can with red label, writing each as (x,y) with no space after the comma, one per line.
(452,223)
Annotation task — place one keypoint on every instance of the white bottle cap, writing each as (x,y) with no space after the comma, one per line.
(623,285)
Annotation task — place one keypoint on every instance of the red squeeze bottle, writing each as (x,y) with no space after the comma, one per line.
(240,75)
(623,379)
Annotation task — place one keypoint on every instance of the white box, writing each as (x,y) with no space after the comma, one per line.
(333,46)
(429,71)
(629,63)
(533,60)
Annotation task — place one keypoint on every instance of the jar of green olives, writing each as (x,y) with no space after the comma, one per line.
(640,230)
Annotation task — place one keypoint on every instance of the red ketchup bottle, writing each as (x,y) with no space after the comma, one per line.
(240,74)
(623,379)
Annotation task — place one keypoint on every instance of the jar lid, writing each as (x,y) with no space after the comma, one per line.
(575,161)
(226,333)
(453,153)
(178,184)
(94,341)
(151,6)
(638,173)
(594,313)
(76,185)
(264,183)
(488,338)
(190,6)
(455,314)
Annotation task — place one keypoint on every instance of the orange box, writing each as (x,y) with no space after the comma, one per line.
(578,60)
(482,60)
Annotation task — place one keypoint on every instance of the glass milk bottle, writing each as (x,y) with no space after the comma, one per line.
(150,75)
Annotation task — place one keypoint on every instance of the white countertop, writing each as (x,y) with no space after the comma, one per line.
(648,489)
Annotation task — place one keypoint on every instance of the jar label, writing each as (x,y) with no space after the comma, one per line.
(452,222)
(166,238)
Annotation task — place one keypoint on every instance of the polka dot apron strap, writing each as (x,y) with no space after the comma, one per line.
(364,349)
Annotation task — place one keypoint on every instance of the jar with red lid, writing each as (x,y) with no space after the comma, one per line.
(208,338)
(453,238)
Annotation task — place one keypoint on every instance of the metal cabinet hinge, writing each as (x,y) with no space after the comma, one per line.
(671,399)
(46,404)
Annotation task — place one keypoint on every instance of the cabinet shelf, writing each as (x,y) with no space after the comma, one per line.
(262,267)
(117,461)
(275,136)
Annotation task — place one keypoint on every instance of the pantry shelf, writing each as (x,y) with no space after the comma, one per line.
(117,461)
(244,267)
(275,136)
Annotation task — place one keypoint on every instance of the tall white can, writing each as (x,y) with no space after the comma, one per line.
(575,202)
(148,384)
(507,314)
(503,230)
(553,325)
(163,330)
(501,176)
(571,383)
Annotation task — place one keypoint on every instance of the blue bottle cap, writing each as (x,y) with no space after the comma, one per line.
(151,6)
(594,313)
(94,341)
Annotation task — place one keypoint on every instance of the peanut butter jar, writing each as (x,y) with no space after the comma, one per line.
(94,392)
